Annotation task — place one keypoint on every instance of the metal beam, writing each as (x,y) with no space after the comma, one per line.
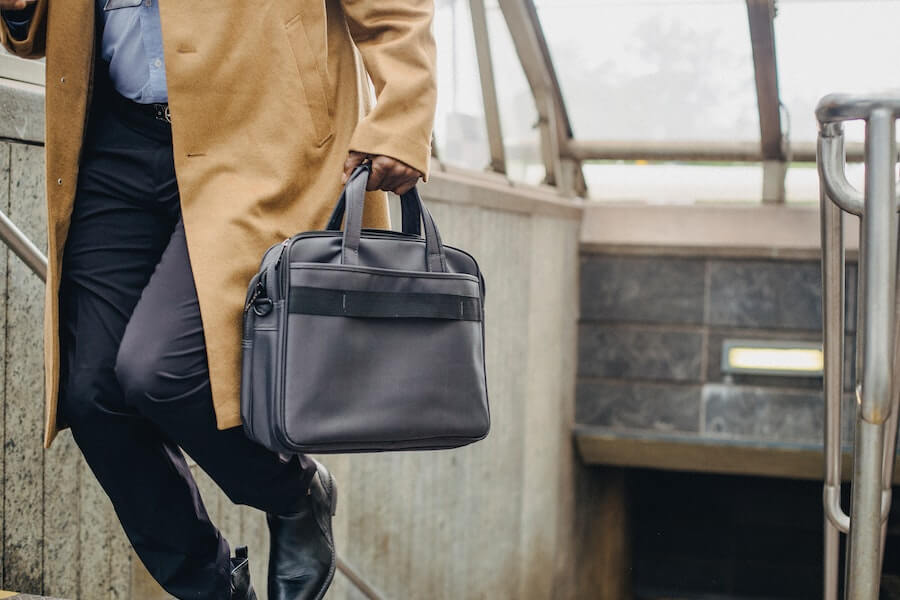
(525,40)
(488,90)
(528,37)
(762,38)
(585,150)
(572,173)
(761,14)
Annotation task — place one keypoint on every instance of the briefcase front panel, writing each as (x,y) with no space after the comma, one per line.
(346,334)
(383,399)
(365,340)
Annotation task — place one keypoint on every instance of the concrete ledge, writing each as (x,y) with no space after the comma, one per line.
(20,69)
(766,231)
(489,190)
(21,111)
(604,446)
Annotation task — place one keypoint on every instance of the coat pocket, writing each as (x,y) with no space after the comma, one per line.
(310,50)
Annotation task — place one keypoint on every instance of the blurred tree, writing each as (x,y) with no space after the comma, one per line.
(669,87)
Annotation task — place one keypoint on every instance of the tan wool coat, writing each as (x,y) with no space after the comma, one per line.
(266,99)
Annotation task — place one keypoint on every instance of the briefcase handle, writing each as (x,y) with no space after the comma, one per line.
(409,209)
(353,197)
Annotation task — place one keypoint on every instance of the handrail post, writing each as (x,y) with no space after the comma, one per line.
(836,521)
(878,298)
(877,337)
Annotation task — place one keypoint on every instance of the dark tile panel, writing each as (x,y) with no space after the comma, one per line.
(763,414)
(765,294)
(654,407)
(642,289)
(773,294)
(620,352)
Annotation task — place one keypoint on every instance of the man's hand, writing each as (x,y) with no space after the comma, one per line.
(15,4)
(388,173)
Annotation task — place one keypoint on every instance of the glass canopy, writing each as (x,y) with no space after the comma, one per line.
(639,70)
(837,46)
(656,100)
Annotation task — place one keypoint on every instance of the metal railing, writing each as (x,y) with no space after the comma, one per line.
(877,343)
(23,247)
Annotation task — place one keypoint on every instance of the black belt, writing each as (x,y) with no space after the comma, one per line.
(156,110)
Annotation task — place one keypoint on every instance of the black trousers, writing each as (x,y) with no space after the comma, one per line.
(134,375)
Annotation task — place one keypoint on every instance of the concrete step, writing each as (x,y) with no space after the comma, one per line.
(18,596)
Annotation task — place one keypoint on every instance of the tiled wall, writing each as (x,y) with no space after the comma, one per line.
(650,345)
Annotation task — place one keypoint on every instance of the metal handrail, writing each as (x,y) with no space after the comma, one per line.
(877,337)
(358,582)
(25,249)
(831,161)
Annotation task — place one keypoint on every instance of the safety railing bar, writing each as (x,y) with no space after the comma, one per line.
(832,236)
(834,108)
(879,292)
(831,163)
(357,580)
(887,475)
(878,298)
(833,511)
(831,559)
(23,247)
(877,340)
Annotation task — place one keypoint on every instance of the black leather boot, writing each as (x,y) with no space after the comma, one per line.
(301,545)
(241,588)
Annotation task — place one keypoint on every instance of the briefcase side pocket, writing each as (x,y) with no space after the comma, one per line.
(260,367)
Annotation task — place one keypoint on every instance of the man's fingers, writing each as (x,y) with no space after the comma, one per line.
(402,189)
(376,177)
(391,180)
(405,180)
(401,180)
(354,159)
(387,173)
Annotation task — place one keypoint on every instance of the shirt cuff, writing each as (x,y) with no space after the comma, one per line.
(17,21)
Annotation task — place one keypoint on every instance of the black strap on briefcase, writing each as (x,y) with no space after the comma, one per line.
(365,340)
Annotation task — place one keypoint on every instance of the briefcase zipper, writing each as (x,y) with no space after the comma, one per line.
(284,246)
(379,233)
(281,374)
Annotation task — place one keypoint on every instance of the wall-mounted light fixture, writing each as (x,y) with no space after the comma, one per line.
(772,357)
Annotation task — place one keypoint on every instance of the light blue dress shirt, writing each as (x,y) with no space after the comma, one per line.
(132,45)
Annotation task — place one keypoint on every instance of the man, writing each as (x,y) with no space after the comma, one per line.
(182,140)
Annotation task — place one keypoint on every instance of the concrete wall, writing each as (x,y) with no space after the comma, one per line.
(493,520)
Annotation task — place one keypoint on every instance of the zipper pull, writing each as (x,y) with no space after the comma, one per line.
(258,291)
(284,246)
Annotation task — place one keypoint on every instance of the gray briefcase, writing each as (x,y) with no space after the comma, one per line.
(365,340)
